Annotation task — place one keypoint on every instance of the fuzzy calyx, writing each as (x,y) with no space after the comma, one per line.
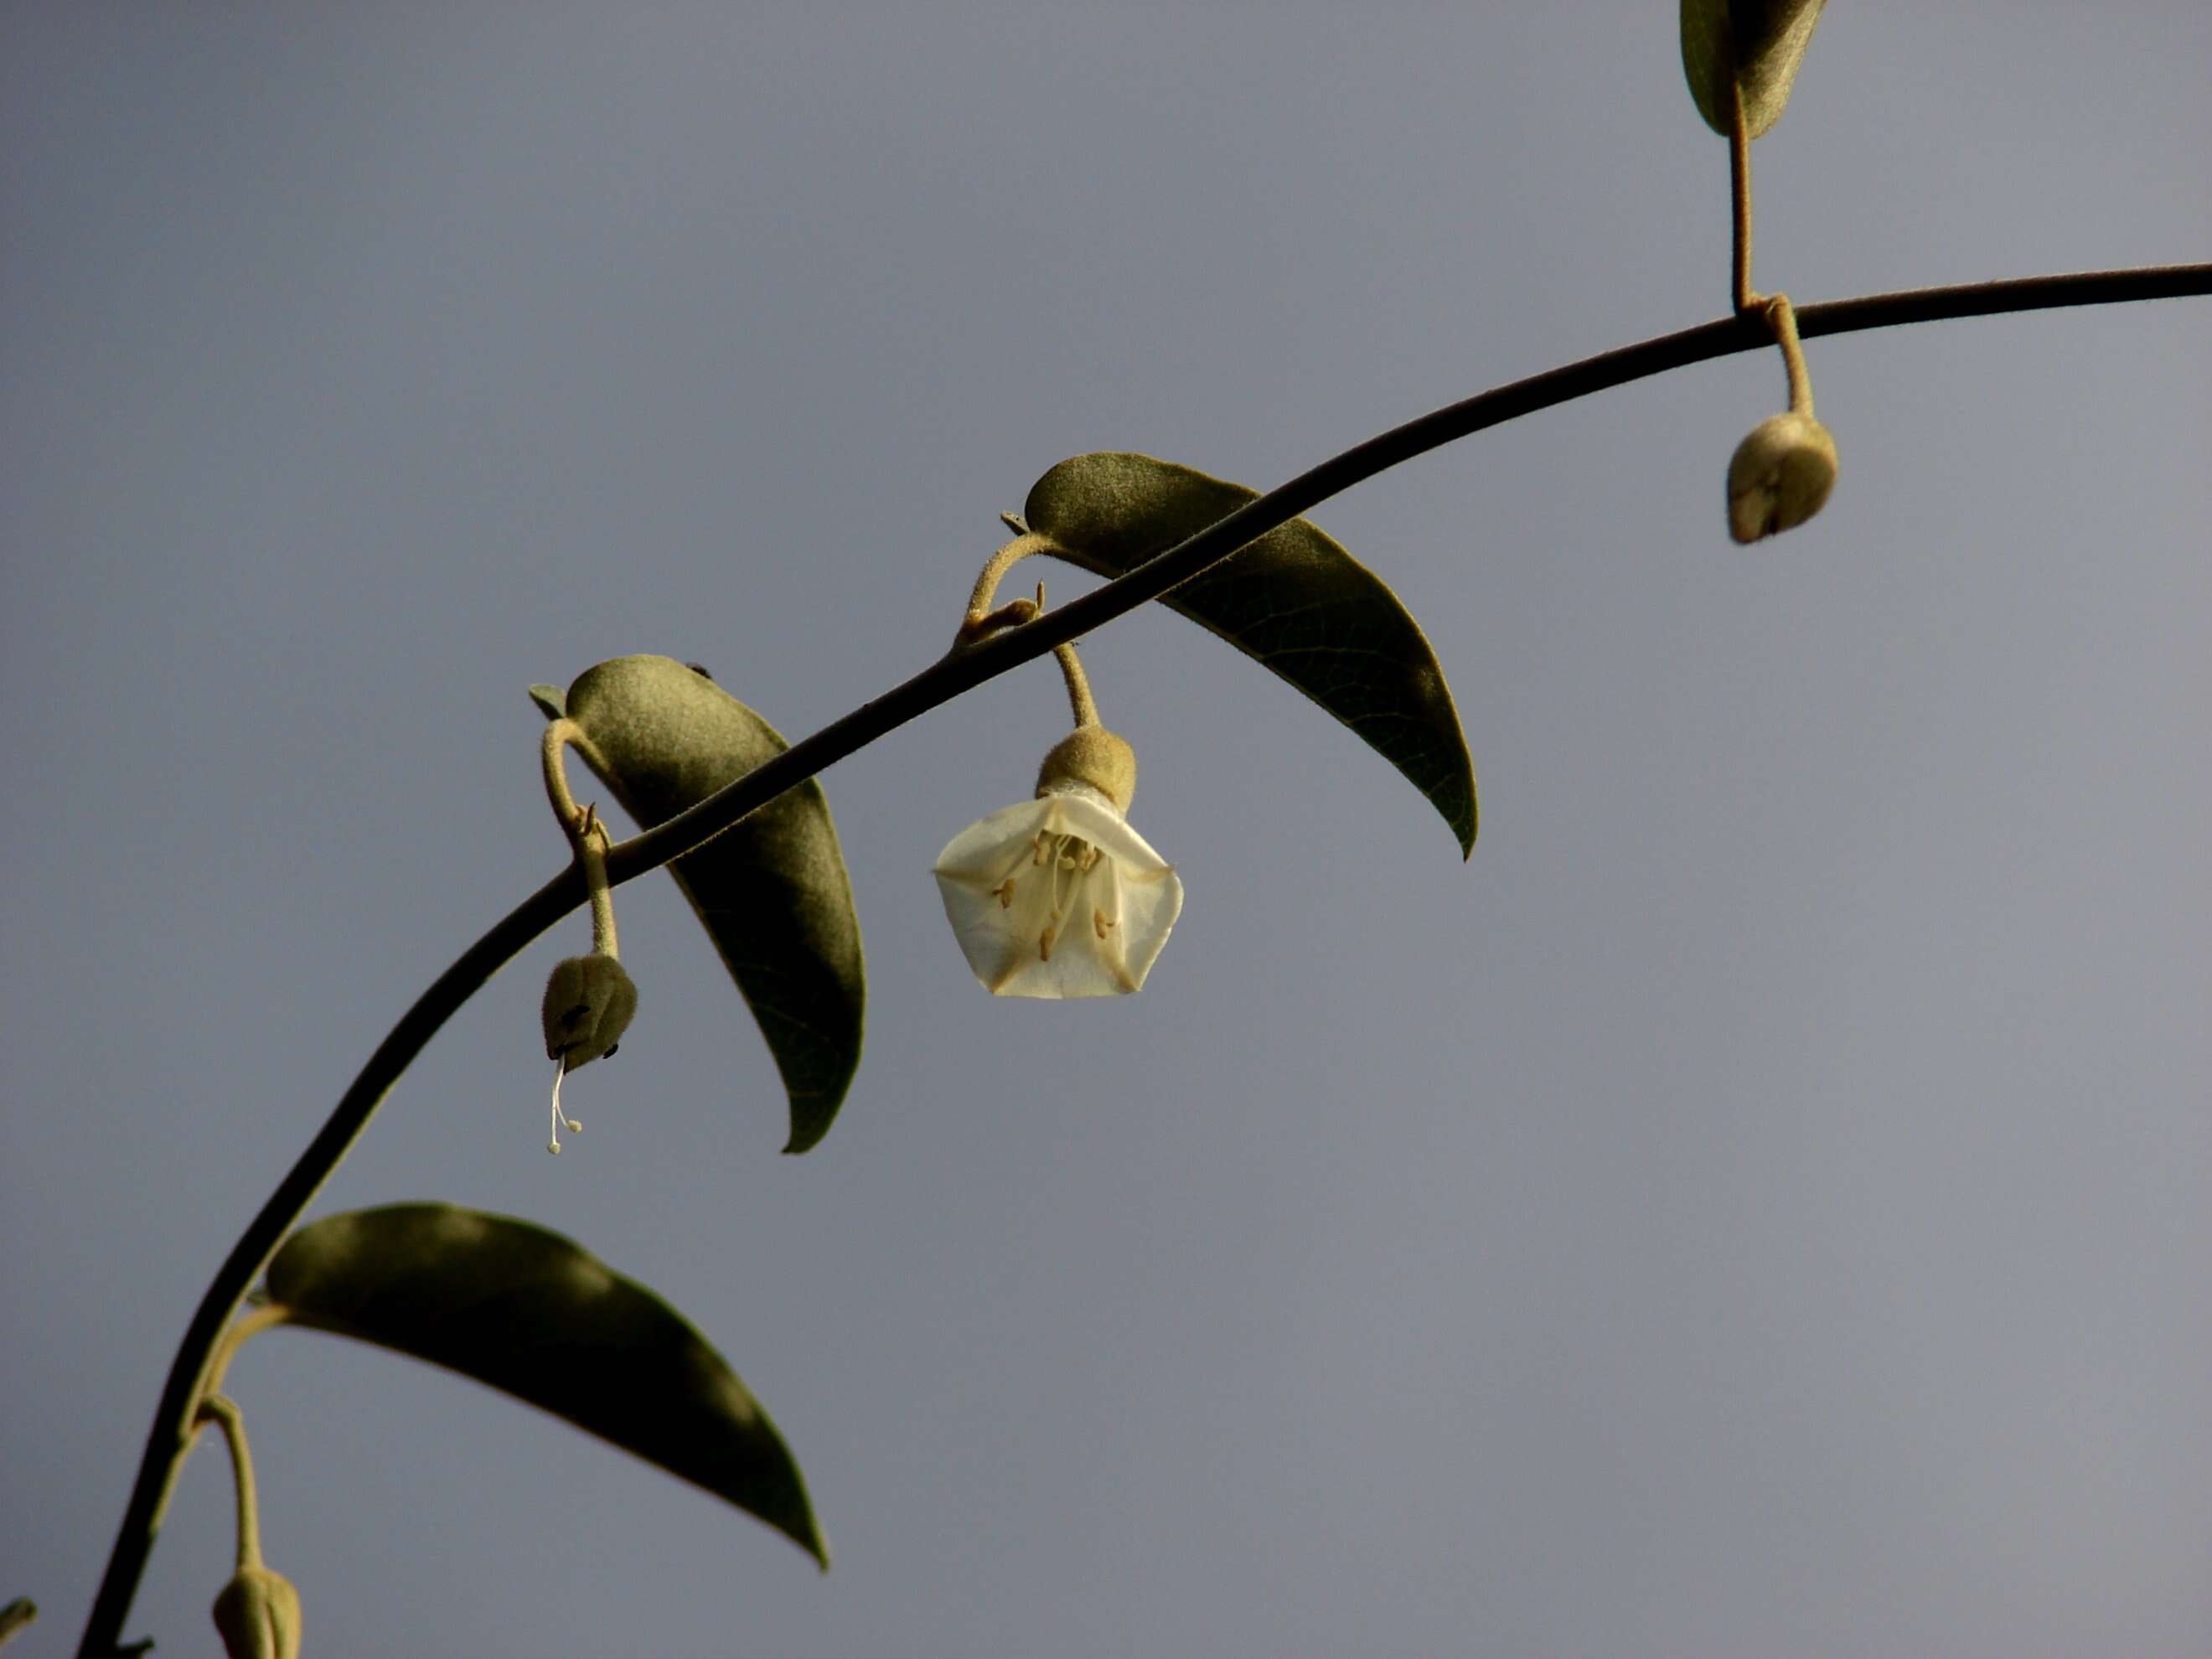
(1093,756)
(588,1003)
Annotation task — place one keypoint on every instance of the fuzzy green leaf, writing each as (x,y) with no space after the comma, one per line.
(1294,601)
(529,1313)
(1759,42)
(552,702)
(772,892)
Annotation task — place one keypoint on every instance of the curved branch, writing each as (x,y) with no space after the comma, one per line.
(963,671)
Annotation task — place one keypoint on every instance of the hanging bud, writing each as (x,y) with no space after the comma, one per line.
(1780,475)
(259,1616)
(588,1003)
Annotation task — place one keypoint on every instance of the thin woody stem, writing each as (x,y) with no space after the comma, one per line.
(225,1413)
(169,1437)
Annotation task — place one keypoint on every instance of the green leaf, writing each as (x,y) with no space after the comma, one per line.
(529,1313)
(1294,601)
(772,891)
(1759,42)
(551,701)
(16,1615)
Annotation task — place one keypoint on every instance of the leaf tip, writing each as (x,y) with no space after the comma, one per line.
(552,702)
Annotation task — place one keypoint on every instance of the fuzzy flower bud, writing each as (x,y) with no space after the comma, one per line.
(1780,475)
(259,1616)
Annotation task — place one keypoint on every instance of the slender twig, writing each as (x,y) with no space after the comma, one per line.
(960,671)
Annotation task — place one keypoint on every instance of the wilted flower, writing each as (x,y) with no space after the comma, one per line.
(1059,896)
(587,1006)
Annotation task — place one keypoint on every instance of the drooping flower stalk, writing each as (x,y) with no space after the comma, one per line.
(258,1610)
(589,1001)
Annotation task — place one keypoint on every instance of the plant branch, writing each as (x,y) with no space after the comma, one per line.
(964,669)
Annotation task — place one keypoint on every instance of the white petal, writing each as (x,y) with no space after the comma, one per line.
(1111,921)
(1083,812)
(988,842)
(1150,902)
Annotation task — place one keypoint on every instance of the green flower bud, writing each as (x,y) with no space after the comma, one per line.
(1780,475)
(588,1003)
(1095,757)
(259,1616)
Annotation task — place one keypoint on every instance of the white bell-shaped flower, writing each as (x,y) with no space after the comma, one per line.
(1059,896)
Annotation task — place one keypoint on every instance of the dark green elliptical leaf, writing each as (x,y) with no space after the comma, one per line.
(1294,601)
(529,1313)
(1760,42)
(772,892)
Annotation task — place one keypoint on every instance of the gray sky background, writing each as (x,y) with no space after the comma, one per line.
(1761,1205)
